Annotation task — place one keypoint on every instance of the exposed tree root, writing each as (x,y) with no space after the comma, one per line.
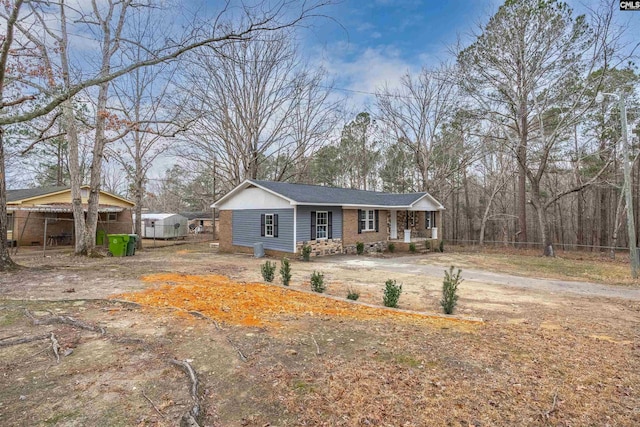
(153,404)
(318,352)
(56,347)
(242,356)
(190,419)
(8,342)
(65,320)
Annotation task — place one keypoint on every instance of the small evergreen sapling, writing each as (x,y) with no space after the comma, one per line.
(412,247)
(268,271)
(391,247)
(359,248)
(352,294)
(285,271)
(392,293)
(306,252)
(450,290)
(317,282)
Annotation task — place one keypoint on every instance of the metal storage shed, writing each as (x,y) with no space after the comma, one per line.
(163,226)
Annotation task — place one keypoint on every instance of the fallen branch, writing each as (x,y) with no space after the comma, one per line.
(65,320)
(8,343)
(318,352)
(56,347)
(190,419)
(6,338)
(153,404)
(546,415)
(242,356)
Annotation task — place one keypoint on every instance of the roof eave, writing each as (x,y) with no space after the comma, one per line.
(245,184)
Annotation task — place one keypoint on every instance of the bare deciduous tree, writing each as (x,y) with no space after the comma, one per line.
(32,86)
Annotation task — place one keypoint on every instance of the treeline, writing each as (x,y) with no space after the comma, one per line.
(507,134)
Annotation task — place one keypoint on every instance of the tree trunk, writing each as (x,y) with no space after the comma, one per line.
(616,227)
(522,194)
(545,232)
(6,263)
(467,203)
(604,218)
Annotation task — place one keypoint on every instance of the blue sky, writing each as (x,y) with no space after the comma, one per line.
(377,41)
(372,42)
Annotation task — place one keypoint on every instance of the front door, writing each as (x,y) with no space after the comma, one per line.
(393,225)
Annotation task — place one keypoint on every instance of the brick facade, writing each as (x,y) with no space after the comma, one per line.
(374,241)
(225,231)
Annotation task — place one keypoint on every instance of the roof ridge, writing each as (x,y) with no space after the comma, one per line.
(258,181)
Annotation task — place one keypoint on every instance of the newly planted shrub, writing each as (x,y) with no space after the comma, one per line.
(441,247)
(391,247)
(285,271)
(450,290)
(352,294)
(427,245)
(412,248)
(359,248)
(306,252)
(392,293)
(317,282)
(268,271)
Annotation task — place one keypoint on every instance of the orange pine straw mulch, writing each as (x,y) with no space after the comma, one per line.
(257,304)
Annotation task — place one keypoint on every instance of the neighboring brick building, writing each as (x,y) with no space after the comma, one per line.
(284,217)
(39,215)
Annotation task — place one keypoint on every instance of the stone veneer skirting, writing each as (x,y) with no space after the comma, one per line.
(321,247)
(335,246)
(369,247)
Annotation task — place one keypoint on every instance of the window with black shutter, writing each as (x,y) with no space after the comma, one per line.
(275,225)
(313,226)
(367,220)
(330,225)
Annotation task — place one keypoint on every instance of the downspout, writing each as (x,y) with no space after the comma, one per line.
(295,229)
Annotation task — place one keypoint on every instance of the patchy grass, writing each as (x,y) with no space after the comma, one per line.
(575,266)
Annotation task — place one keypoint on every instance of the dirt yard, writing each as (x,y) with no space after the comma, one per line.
(127,331)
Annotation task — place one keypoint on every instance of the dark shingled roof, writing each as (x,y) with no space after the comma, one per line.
(27,193)
(316,194)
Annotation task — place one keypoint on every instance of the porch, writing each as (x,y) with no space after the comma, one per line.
(413,226)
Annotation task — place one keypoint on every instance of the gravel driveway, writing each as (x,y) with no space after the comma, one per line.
(411,265)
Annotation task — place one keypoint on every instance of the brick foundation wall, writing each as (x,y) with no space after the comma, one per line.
(225,232)
(321,247)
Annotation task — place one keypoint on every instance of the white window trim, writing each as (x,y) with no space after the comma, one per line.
(267,225)
(432,220)
(367,220)
(325,225)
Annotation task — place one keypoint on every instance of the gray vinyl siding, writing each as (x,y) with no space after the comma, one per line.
(246,229)
(303,230)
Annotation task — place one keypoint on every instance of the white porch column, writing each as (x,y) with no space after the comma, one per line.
(394,225)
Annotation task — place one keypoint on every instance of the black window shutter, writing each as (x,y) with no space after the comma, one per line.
(313,225)
(262,225)
(359,221)
(329,225)
(427,218)
(275,225)
(376,216)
